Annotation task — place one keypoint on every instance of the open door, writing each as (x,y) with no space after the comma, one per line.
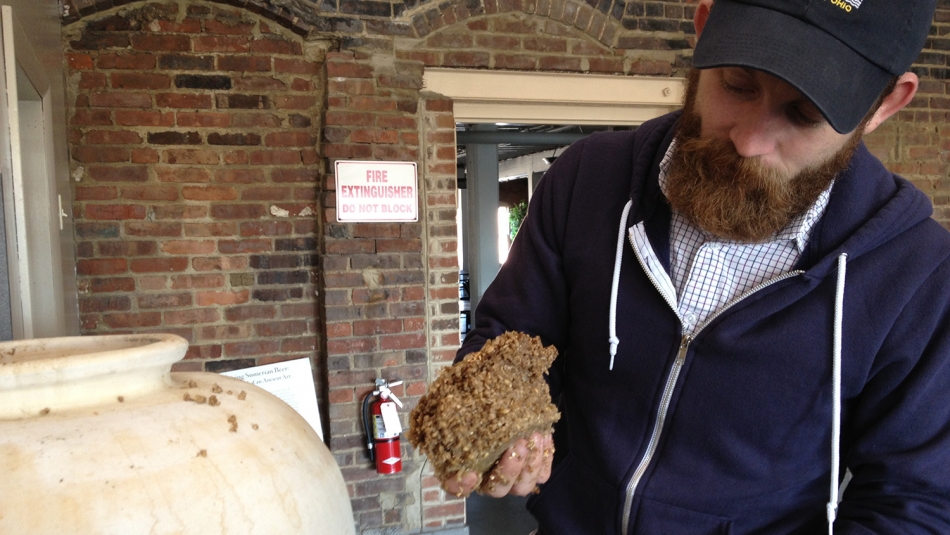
(33,216)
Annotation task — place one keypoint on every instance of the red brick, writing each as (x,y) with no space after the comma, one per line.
(152,229)
(205,299)
(238,211)
(239,176)
(183,282)
(106,212)
(281,328)
(405,341)
(275,46)
(296,66)
(150,193)
(124,173)
(209,119)
(78,61)
(258,83)
(259,347)
(374,327)
(138,80)
(251,312)
(210,229)
(133,320)
(225,332)
(156,265)
(350,346)
(126,61)
(161,42)
(216,27)
(88,154)
(164,300)
(95,193)
(111,284)
(102,266)
(190,156)
(256,119)
(274,193)
(244,246)
(185,26)
(92,117)
(288,139)
(183,100)
(113,137)
(299,175)
(336,69)
(269,228)
(208,193)
(144,118)
(285,102)
(244,63)
(339,330)
(91,80)
(301,85)
(221,43)
(275,157)
(219,263)
(169,174)
(180,212)
(121,100)
(192,316)
(144,156)
(187,247)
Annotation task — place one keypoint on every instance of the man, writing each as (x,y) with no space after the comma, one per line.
(747,305)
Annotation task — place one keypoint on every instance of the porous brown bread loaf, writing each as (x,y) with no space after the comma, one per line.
(479,407)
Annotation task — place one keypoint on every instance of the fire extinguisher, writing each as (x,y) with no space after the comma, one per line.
(381,423)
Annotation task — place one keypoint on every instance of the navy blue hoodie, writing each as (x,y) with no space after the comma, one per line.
(730,431)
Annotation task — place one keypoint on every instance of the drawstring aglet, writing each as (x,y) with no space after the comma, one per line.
(614,342)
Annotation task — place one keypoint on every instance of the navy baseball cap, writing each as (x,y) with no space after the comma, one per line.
(840,54)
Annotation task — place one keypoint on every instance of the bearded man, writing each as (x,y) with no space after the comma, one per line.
(750,310)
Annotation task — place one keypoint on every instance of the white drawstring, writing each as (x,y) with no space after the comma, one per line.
(832,506)
(618,257)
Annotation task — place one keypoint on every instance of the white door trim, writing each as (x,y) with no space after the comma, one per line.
(482,96)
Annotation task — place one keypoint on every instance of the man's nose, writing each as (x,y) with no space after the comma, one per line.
(755,132)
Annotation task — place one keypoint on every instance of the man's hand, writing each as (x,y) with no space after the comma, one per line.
(523,466)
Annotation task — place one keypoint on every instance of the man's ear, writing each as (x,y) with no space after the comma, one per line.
(901,96)
(702,13)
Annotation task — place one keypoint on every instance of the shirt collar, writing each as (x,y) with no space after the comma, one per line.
(797,230)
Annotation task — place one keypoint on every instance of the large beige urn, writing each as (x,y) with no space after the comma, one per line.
(98,436)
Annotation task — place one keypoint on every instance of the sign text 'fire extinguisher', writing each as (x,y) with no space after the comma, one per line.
(376,191)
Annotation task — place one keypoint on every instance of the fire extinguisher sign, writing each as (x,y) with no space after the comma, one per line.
(369,192)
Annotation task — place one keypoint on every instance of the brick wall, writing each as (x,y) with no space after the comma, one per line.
(202,142)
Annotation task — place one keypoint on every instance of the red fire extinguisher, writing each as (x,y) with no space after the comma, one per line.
(381,422)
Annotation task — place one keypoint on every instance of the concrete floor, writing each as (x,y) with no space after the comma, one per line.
(499,516)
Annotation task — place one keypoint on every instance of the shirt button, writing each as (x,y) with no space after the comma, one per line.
(690,319)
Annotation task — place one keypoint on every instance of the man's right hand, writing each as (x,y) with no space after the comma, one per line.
(523,466)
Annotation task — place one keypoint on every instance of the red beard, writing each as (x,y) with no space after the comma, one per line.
(737,198)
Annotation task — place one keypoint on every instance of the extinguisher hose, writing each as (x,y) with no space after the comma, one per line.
(368,428)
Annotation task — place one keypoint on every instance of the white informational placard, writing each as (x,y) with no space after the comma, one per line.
(376,191)
(291,381)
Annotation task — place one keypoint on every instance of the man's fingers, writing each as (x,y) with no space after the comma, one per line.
(460,485)
(527,480)
(547,458)
(500,480)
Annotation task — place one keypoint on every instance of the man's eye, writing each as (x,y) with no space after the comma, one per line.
(803,118)
(736,89)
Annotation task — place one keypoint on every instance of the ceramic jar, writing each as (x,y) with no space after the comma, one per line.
(98,436)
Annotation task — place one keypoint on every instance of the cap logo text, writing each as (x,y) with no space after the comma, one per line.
(847,5)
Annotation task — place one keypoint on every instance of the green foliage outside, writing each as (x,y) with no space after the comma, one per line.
(515,216)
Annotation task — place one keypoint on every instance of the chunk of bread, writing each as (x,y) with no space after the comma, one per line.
(480,406)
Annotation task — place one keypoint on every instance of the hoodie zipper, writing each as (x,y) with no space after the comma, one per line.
(674,375)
